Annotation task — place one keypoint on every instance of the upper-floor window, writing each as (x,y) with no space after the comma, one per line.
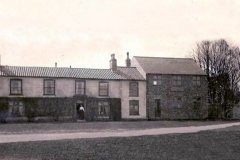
(133,107)
(157,80)
(49,87)
(80,87)
(15,86)
(103,88)
(177,80)
(196,80)
(133,89)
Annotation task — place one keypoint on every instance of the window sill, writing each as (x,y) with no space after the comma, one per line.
(80,95)
(133,96)
(15,94)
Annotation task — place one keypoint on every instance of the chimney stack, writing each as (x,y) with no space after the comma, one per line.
(55,64)
(113,63)
(128,61)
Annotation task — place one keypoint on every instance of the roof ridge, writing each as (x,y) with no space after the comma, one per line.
(162,57)
(54,67)
(126,67)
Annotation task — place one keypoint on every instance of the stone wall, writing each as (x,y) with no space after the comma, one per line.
(167,93)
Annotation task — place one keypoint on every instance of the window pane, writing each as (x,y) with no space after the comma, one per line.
(103,89)
(80,87)
(16,87)
(49,87)
(157,80)
(196,80)
(177,80)
(133,89)
(154,83)
(103,109)
(134,107)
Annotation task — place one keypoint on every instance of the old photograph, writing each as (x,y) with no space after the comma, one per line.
(119,80)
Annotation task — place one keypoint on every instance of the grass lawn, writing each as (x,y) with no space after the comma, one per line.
(212,145)
(25,128)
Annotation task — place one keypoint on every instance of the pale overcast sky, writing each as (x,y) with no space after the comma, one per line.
(83,33)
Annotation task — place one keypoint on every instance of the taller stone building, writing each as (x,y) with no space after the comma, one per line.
(176,88)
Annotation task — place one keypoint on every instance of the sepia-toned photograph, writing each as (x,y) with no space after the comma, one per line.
(119,79)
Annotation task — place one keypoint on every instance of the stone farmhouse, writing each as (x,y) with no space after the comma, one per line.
(177,88)
(146,88)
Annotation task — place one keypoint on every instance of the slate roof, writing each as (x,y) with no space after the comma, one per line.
(160,65)
(123,73)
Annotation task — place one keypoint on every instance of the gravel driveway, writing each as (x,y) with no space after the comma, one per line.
(7,138)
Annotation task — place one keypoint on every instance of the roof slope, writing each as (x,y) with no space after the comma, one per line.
(124,73)
(160,65)
(129,73)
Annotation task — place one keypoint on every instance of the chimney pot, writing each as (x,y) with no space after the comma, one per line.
(128,61)
(113,63)
(55,64)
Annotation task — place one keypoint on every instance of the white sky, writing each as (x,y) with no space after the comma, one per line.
(83,33)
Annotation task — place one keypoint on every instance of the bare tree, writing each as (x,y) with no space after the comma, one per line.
(222,65)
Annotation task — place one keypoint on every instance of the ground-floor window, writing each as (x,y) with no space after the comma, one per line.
(196,102)
(103,109)
(177,102)
(16,109)
(134,107)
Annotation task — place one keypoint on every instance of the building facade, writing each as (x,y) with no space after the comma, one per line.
(151,88)
(54,93)
(176,88)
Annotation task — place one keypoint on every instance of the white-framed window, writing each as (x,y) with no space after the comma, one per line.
(133,107)
(15,86)
(103,88)
(80,87)
(133,89)
(196,80)
(49,87)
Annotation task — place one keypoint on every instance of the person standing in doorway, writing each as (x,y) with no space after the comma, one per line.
(81,112)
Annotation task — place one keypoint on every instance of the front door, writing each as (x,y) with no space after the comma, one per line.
(157,108)
(80,111)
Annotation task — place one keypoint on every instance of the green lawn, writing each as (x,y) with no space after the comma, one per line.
(212,145)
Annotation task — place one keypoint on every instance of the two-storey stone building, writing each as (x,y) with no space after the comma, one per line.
(43,93)
(177,88)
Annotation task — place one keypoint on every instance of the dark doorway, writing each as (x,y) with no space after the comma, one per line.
(157,108)
(80,111)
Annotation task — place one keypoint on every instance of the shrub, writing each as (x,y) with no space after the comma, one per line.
(3,111)
(213,111)
(30,108)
